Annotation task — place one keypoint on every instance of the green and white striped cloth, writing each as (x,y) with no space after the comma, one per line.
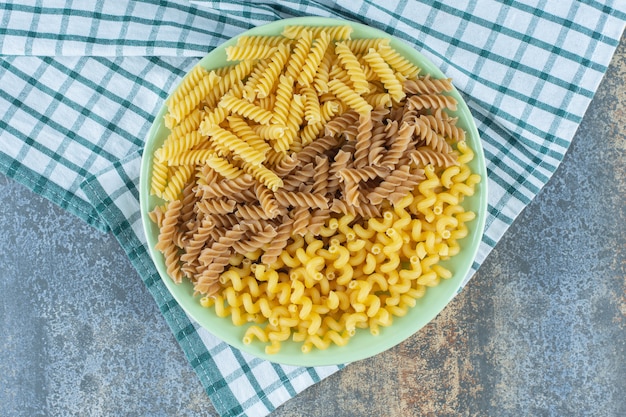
(81,82)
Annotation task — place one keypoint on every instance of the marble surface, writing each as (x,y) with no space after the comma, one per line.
(540,330)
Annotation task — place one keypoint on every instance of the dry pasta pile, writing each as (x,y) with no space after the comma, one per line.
(311,187)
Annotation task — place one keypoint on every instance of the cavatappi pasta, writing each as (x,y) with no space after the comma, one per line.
(313,187)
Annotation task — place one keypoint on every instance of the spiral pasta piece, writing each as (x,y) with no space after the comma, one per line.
(362,46)
(170,220)
(216,206)
(166,240)
(265,176)
(269,132)
(319,146)
(363,140)
(274,68)
(430,136)
(299,54)
(373,80)
(285,166)
(432,101)
(311,131)
(353,68)
(197,242)
(267,200)
(192,157)
(341,161)
(364,209)
(223,167)
(249,52)
(188,124)
(224,232)
(158,181)
(177,181)
(301,199)
(415,177)
(180,109)
(249,91)
(189,199)
(214,117)
(187,85)
(284,92)
(231,187)
(312,109)
(301,217)
(362,174)
(233,77)
(427,85)
(294,119)
(377,147)
(263,40)
(351,191)
(398,146)
(314,59)
(397,62)
(340,123)
(378,99)
(444,127)
(254,241)
(222,222)
(235,144)
(246,133)
(337,33)
(339,73)
(176,147)
(386,75)
(424,155)
(296,178)
(322,76)
(245,109)
(268,102)
(397,178)
(215,258)
(320,177)
(349,96)
(252,212)
(276,246)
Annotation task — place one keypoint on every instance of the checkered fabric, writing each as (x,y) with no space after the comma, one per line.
(80,84)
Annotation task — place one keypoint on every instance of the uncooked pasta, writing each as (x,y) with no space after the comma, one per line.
(312,186)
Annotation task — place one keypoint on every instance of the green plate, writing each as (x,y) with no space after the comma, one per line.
(363,344)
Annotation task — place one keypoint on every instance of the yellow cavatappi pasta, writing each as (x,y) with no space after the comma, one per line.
(314,204)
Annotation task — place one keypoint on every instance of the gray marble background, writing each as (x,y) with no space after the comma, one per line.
(539,331)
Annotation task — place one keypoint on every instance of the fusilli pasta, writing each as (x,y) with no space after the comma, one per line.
(314,187)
